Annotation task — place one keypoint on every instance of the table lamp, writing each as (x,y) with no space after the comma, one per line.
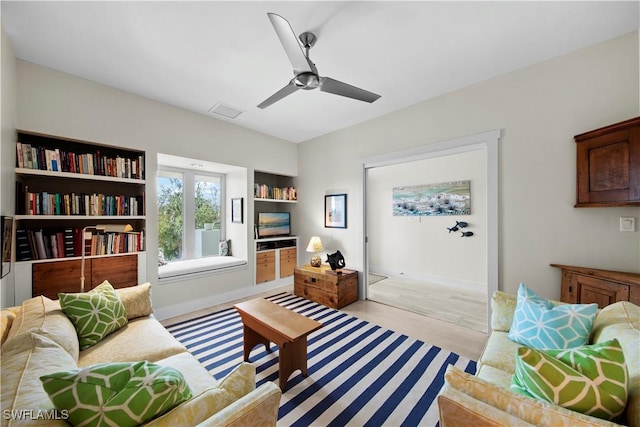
(315,246)
(105,228)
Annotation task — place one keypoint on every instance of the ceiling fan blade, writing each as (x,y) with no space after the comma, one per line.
(290,43)
(287,90)
(336,87)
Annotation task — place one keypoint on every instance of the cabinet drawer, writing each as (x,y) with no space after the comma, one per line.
(266,271)
(318,295)
(265,256)
(291,253)
(287,266)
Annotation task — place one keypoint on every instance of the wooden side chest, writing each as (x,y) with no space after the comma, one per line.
(321,285)
(581,285)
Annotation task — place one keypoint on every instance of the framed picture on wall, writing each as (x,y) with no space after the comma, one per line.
(335,211)
(236,210)
(7,230)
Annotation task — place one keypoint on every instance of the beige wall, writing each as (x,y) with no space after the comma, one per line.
(538,110)
(59,104)
(8,97)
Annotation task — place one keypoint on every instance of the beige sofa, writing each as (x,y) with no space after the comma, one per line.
(486,400)
(38,339)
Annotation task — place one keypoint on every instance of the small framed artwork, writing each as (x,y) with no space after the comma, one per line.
(236,210)
(7,230)
(335,211)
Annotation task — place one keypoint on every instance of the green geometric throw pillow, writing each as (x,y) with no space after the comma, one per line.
(95,314)
(116,394)
(592,379)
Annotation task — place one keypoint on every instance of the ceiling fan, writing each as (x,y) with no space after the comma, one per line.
(304,71)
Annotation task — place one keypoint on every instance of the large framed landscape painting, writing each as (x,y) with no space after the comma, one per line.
(444,198)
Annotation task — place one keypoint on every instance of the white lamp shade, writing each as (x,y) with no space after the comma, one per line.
(315,245)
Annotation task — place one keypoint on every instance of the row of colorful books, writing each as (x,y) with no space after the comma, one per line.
(44,203)
(264,191)
(68,242)
(57,160)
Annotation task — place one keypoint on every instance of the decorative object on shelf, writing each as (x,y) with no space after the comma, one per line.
(335,211)
(224,248)
(315,246)
(105,228)
(336,261)
(459,225)
(467,233)
(237,213)
(7,239)
(445,198)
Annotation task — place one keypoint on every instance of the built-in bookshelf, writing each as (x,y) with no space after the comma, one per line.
(67,187)
(272,187)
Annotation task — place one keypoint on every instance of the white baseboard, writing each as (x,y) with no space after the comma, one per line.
(202,303)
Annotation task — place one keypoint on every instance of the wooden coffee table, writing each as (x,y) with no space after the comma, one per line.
(265,321)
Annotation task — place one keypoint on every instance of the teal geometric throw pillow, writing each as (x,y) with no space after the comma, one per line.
(592,379)
(95,314)
(539,324)
(116,394)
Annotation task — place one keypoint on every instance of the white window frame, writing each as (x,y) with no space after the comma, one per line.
(189,208)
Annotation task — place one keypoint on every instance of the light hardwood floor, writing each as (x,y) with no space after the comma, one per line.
(454,305)
(448,336)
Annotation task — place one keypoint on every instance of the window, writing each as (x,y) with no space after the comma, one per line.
(190,212)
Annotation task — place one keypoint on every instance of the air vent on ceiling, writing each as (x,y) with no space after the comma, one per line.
(225,110)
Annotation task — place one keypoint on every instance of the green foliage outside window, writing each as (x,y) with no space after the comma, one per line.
(171,217)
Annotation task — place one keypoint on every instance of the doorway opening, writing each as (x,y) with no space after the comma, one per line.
(421,261)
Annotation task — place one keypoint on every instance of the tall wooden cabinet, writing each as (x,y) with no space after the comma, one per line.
(608,165)
(62,186)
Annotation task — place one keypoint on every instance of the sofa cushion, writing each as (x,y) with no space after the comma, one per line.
(123,394)
(44,316)
(95,314)
(193,372)
(136,300)
(533,411)
(500,353)
(143,338)
(622,321)
(6,320)
(24,360)
(537,323)
(591,379)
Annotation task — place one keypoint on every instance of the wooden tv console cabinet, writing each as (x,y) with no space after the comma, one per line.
(582,285)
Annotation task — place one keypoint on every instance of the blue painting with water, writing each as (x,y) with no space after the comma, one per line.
(445,198)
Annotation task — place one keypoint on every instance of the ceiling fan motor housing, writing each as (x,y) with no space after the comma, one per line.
(306,81)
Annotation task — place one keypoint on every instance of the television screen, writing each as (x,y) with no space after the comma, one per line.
(272,224)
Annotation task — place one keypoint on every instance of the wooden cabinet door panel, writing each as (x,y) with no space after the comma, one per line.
(601,292)
(608,165)
(51,278)
(120,271)
(265,266)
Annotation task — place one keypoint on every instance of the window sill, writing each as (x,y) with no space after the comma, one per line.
(191,268)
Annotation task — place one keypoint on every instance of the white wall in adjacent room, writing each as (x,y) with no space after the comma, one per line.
(421,246)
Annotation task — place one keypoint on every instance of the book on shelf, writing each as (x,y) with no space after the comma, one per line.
(93,163)
(68,242)
(23,249)
(45,203)
(264,191)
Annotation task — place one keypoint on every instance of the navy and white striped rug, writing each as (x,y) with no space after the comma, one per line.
(359,373)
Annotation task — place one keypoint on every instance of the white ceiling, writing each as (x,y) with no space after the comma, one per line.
(196,54)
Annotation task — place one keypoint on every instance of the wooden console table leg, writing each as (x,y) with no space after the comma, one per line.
(293,356)
(251,339)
